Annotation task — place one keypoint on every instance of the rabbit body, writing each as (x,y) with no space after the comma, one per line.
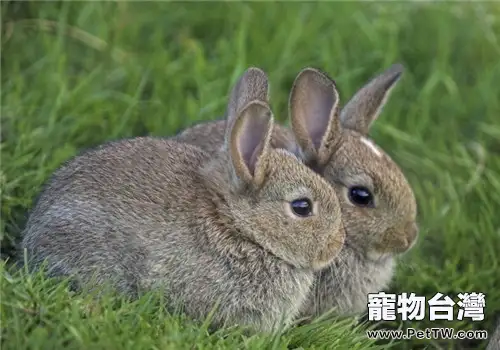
(98,220)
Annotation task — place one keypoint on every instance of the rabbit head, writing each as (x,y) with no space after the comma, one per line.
(272,197)
(378,205)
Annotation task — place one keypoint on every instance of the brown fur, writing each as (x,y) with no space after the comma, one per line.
(146,213)
(333,143)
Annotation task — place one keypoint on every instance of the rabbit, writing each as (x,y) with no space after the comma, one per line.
(378,204)
(239,234)
(494,343)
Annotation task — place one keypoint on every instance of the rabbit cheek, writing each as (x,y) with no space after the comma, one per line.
(329,245)
(326,255)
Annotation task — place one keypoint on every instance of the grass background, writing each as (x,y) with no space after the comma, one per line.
(77,74)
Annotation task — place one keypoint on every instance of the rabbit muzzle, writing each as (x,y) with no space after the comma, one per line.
(330,251)
(398,240)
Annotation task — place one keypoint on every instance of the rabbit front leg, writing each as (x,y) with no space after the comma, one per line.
(248,290)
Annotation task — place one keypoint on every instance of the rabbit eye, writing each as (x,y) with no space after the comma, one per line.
(302,207)
(360,196)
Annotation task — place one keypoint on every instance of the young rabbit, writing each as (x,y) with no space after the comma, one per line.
(378,204)
(245,230)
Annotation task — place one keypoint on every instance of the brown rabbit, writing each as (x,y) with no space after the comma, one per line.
(244,229)
(378,204)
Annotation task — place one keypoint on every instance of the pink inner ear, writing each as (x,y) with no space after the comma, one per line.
(318,117)
(251,139)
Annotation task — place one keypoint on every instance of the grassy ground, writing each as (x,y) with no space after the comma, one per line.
(78,74)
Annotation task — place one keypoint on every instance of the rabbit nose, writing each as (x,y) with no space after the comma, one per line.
(410,232)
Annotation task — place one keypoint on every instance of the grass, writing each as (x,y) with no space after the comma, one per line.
(77,74)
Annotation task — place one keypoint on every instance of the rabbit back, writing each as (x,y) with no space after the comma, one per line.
(210,136)
(98,212)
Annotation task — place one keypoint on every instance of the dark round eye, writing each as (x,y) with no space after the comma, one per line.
(302,207)
(360,196)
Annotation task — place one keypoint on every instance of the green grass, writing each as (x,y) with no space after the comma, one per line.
(84,73)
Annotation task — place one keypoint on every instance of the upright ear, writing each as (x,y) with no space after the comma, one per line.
(365,106)
(253,85)
(249,143)
(313,110)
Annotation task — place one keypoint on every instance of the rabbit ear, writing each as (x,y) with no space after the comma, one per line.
(249,142)
(252,85)
(313,109)
(365,106)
